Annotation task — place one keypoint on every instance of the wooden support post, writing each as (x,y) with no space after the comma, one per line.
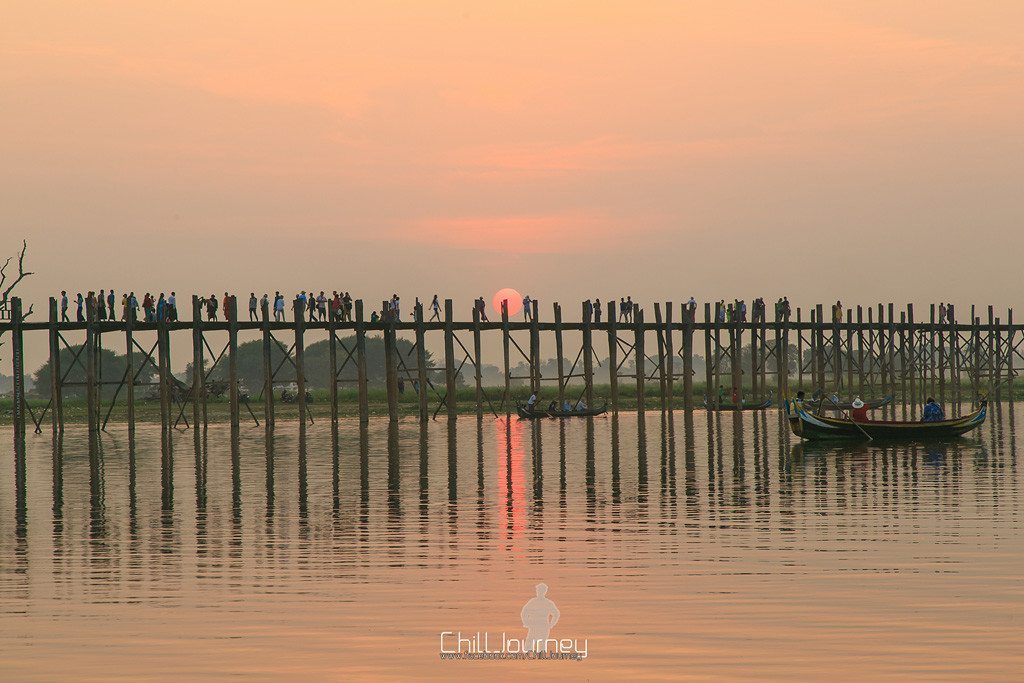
(813,349)
(860,350)
(883,363)
(268,369)
(849,353)
(613,357)
(332,359)
(871,345)
(761,329)
(421,364)
(638,354)
(709,370)
(56,387)
(736,355)
(390,365)
(942,362)
(799,352)
(535,375)
(129,372)
(198,371)
(91,389)
(754,390)
(588,352)
(1009,354)
(477,373)
(99,373)
(451,397)
(687,358)
(669,368)
(904,361)
(716,364)
(989,353)
(780,356)
(890,351)
(300,359)
(929,335)
(997,361)
(916,371)
(976,354)
(837,351)
(361,377)
(957,351)
(233,360)
(18,409)
(163,344)
(819,348)
(507,399)
(659,328)
(559,362)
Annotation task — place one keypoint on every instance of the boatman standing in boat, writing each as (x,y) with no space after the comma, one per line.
(932,411)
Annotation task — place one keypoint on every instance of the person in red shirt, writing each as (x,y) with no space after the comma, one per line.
(860,411)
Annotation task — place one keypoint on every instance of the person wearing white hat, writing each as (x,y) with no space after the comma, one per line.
(860,411)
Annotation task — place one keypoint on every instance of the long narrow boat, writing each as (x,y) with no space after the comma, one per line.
(828,404)
(528,414)
(809,425)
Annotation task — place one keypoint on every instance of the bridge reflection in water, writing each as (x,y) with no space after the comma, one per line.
(714,542)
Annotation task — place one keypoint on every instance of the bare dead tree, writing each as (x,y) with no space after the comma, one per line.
(22,274)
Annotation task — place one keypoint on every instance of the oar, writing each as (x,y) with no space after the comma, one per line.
(849,416)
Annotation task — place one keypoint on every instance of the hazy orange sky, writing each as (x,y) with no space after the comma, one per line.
(865,150)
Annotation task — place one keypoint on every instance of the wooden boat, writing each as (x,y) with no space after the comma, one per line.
(534,414)
(767,403)
(809,425)
(818,405)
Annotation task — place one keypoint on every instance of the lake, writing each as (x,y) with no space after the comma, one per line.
(690,546)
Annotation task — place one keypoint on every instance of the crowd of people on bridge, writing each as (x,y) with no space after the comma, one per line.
(736,311)
(318,306)
(105,303)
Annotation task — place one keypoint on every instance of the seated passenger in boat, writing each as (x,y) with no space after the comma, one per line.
(581,406)
(567,407)
(860,411)
(932,411)
(532,401)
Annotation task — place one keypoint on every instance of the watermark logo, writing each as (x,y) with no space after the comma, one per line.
(539,617)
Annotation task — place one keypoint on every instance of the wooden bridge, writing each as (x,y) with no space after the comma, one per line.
(874,351)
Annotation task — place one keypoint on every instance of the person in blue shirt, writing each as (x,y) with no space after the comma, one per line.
(932,411)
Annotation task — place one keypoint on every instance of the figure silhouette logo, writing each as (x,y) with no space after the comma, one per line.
(539,616)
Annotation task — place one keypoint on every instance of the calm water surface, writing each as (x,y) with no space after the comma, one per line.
(688,547)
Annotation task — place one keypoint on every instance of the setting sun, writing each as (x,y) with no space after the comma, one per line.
(514,298)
